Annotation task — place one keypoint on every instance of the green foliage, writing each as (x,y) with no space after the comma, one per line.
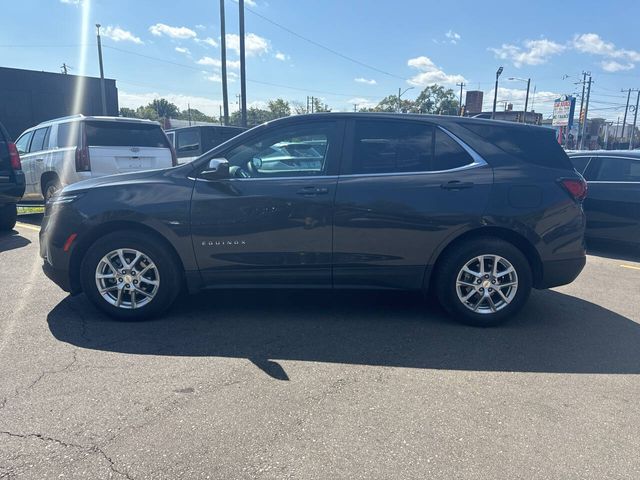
(434,99)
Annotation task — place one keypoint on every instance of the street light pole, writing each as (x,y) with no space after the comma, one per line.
(526,101)
(635,117)
(223,66)
(495,93)
(103,92)
(400,93)
(243,72)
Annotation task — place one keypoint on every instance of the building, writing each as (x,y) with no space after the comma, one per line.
(473,102)
(28,97)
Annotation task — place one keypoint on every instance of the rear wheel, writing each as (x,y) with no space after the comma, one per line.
(50,189)
(483,282)
(8,217)
(130,275)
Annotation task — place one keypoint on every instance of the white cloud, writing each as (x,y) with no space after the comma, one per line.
(534,52)
(214,62)
(362,102)
(365,80)
(594,44)
(281,56)
(200,27)
(160,29)
(613,66)
(430,73)
(118,34)
(72,2)
(543,99)
(183,50)
(207,41)
(453,36)
(253,44)
(251,3)
(215,77)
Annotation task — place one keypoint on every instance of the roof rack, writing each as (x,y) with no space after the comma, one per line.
(69,117)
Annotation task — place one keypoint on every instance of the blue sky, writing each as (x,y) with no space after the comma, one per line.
(389,44)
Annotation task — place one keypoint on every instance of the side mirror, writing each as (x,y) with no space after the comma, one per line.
(216,169)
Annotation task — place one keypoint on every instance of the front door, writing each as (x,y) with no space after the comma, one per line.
(271,222)
(406,187)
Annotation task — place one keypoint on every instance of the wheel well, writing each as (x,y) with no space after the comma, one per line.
(90,238)
(507,235)
(46,178)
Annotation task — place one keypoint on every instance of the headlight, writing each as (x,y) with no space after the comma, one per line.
(63,198)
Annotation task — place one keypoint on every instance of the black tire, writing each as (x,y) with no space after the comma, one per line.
(456,258)
(50,189)
(8,217)
(170,274)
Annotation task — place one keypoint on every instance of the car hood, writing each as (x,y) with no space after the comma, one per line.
(111,180)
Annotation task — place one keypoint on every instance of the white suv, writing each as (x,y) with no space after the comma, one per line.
(70,149)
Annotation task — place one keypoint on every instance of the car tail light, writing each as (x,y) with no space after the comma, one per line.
(83,161)
(174,157)
(576,187)
(14,157)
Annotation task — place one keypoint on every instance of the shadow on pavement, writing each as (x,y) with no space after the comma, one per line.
(31,218)
(12,240)
(556,333)
(615,251)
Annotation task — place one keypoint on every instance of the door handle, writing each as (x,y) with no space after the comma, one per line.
(311,191)
(39,159)
(456,185)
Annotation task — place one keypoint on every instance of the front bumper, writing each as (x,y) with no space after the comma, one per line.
(561,272)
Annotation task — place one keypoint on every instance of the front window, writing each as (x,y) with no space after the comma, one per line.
(291,151)
(618,170)
(22,144)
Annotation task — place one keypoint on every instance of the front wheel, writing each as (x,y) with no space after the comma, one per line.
(484,281)
(8,217)
(130,275)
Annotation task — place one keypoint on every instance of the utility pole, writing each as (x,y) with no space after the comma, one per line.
(64,68)
(313,103)
(220,115)
(526,101)
(243,66)
(586,112)
(635,117)
(103,92)
(355,107)
(189,112)
(461,84)
(584,82)
(495,93)
(223,58)
(399,102)
(626,109)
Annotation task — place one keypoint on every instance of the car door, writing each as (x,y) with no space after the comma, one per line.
(22,145)
(406,186)
(38,153)
(269,224)
(612,205)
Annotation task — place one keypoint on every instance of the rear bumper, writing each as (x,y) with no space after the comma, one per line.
(12,191)
(561,272)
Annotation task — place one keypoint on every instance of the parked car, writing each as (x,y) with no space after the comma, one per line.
(613,204)
(477,210)
(191,142)
(67,150)
(11,181)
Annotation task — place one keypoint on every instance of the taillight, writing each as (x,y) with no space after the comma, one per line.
(14,157)
(576,187)
(174,157)
(83,162)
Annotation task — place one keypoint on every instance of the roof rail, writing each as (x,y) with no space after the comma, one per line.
(69,117)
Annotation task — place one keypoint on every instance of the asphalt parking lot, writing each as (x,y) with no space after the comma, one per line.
(318,385)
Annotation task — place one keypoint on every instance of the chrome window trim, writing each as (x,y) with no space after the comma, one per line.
(614,181)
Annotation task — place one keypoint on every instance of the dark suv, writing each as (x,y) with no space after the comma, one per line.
(476,210)
(12,181)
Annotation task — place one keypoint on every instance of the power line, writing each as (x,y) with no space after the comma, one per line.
(324,47)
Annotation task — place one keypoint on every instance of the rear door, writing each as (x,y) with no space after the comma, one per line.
(120,147)
(405,187)
(613,202)
(38,153)
(22,144)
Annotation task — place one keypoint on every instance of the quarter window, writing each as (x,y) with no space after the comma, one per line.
(580,163)
(290,151)
(68,134)
(22,144)
(448,153)
(618,170)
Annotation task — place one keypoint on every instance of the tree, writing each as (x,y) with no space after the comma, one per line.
(127,112)
(279,108)
(319,107)
(298,107)
(164,108)
(436,99)
(196,116)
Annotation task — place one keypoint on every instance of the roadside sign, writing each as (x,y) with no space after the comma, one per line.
(563,108)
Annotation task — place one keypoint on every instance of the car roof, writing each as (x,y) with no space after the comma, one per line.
(92,118)
(438,119)
(610,153)
(214,127)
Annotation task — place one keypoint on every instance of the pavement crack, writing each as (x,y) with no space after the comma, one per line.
(44,373)
(89,449)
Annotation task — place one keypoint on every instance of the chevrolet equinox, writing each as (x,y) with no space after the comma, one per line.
(477,211)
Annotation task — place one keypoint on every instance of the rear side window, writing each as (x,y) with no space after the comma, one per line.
(618,170)
(580,163)
(68,135)
(392,147)
(448,153)
(532,145)
(124,134)
(40,140)
(188,141)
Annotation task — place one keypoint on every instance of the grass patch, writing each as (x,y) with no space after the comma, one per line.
(30,210)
